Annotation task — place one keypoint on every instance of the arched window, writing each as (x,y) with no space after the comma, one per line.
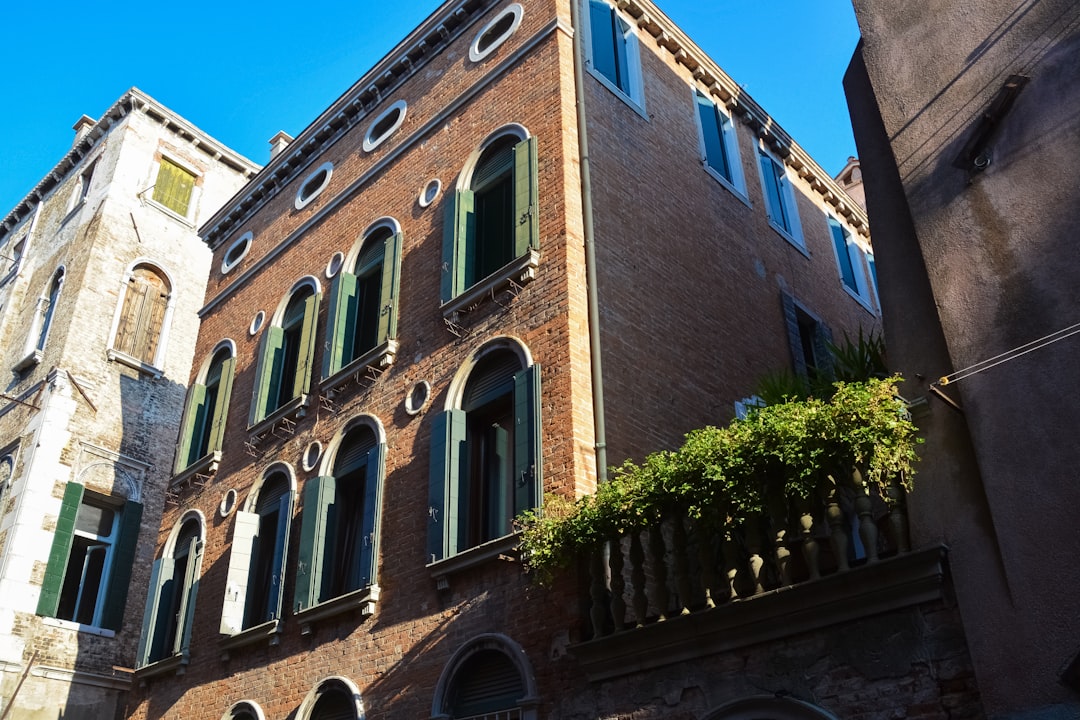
(203,424)
(47,309)
(493,221)
(769,707)
(489,677)
(339,537)
(362,322)
(256,574)
(332,699)
(142,316)
(170,603)
(486,454)
(244,710)
(286,353)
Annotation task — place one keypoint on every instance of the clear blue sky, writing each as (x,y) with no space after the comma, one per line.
(242,72)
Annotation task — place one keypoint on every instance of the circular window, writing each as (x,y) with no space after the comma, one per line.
(257,322)
(334,266)
(236,252)
(315,183)
(384,125)
(228,502)
(495,33)
(430,192)
(418,397)
(312,453)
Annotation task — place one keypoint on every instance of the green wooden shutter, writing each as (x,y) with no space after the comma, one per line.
(221,405)
(502,485)
(340,323)
(267,373)
(53,582)
(528,479)
(369,527)
(190,591)
(191,426)
(447,438)
(281,547)
(112,616)
(306,357)
(391,281)
(318,496)
(245,535)
(527,228)
(160,573)
(459,229)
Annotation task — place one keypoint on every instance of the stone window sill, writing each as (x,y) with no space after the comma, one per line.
(28,362)
(206,465)
(519,271)
(497,549)
(292,410)
(176,664)
(269,631)
(365,598)
(133,362)
(380,358)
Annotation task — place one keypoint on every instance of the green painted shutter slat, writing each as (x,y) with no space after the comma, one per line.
(459,230)
(112,616)
(318,495)
(191,591)
(502,484)
(527,228)
(340,323)
(528,478)
(161,621)
(221,405)
(281,553)
(158,572)
(306,358)
(53,582)
(266,379)
(447,437)
(370,524)
(391,281)
(190,427)
(245,533)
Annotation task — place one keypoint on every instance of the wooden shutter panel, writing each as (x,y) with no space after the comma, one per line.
(459,227)
(150,321)
(127,542)
(156,597)
(318,496)
(221,405)
(502,486)
(191,426)
(370,524)
(173,187)
(53,582)
(447,438)
(340,323)
(245,535)
(267,373)
(306,357)
(528,479)
(391,281)
(527,227)
(190,590)
(281,548)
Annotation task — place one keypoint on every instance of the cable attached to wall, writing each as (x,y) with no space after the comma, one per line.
(1006,356)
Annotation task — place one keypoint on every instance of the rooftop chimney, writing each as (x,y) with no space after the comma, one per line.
(82,127)
(279,142)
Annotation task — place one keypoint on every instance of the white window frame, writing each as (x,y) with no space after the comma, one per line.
(156,368)
(372,141)
(788,198)
(475,53)
(729,136)
(301,201)
(859,269)
(634,95)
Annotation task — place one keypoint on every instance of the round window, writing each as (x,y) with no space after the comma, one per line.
(315,183)
(418,397)
(430,192)
(257,322)
(236,252)
(334,266)
(312,453)
(496,32)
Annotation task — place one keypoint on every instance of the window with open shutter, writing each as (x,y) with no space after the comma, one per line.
(170,603)
(286,354)
(203,424)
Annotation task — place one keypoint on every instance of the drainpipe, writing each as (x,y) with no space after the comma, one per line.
(590,250)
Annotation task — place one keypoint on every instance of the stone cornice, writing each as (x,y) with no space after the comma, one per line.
(410,55)
(133,100)
(667,35)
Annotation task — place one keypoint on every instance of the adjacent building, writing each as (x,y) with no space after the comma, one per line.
(963,118)
(101,277)
(537,238)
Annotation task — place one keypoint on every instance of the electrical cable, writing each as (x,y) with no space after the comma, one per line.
(1007,356)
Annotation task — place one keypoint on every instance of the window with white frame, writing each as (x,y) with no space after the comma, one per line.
(612,52)
(488,678)
(286,352)
(849,261)
(780,202)
(93,551)
(719,143)
(174,187)
(202,427)
(41,323)
(170,601)
(140,325)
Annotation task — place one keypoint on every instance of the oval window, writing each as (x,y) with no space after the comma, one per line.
(418,397)
(384,125)
(312,453)
(496,32)
(257,322)
(334,266)
(430,192)
(315,183)
(236,252)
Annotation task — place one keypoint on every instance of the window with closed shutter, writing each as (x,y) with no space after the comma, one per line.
(146,298)
(488,685)
(173,187)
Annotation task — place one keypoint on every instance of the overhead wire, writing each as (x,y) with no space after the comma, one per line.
(1007,356)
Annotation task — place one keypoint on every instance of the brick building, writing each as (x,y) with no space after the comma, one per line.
(102,277)
(401,348)
(961,119)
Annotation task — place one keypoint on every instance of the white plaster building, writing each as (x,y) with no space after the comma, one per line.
(101,275)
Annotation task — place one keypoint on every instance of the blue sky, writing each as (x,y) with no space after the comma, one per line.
(242,72)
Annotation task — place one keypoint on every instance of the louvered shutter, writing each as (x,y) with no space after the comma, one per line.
(152,630)
(245,535)
(306,357)
(370,525)
(459,232)
(281,553)
(318,496)
(53,582)
(267,374)
(340,323)
(526,198)
(191,426)
(391,281)
(127,542)
(447,439)
(221,405)
(190,592)
(487,682)
(528,478)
